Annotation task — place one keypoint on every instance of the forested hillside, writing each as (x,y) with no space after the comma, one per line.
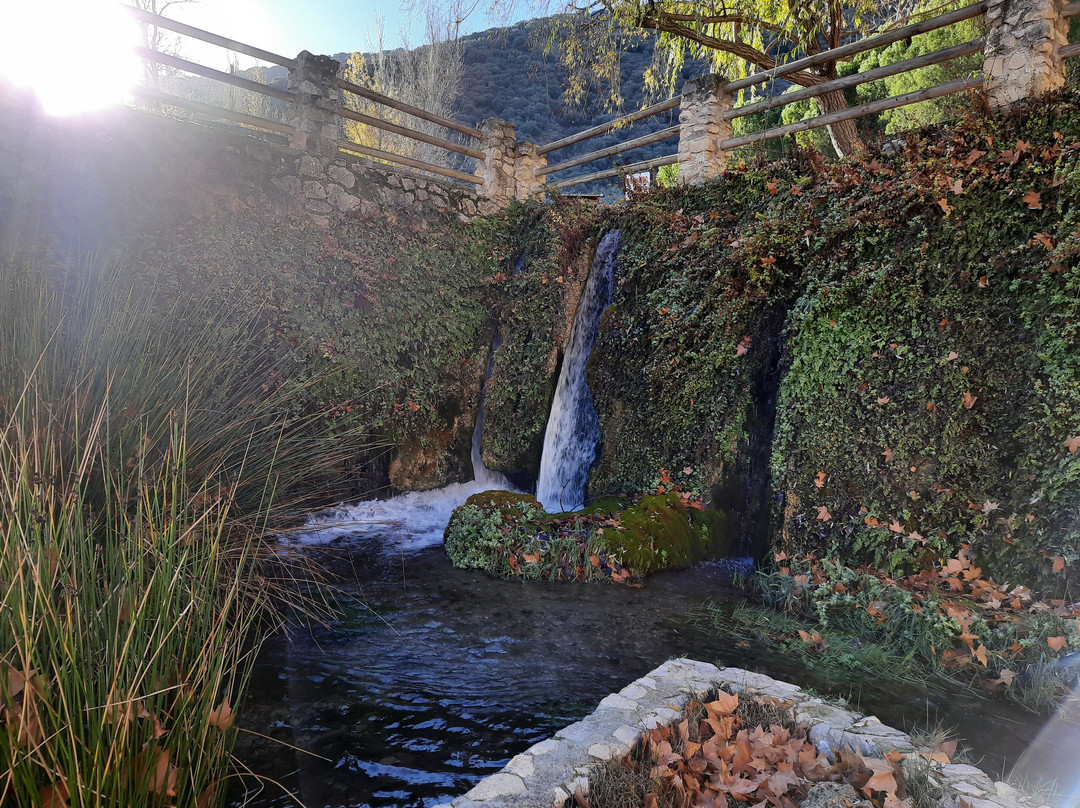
(508,76)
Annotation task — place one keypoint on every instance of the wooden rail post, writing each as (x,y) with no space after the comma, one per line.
(508,168)
(701,129)
(1023,42)
(315,127)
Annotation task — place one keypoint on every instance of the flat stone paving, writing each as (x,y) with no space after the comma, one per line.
(548,773)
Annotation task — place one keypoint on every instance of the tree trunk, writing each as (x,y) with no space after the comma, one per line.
(845,138)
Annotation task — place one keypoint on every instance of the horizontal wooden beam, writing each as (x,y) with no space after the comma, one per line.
(618,148)
(862,45)
(379,123)
(400,106)
(390,157)
(1070,50)
(212,111)
(218,75)
(938,90)
(604,128)
(213,39)
(943,55)
(1070,10)
(607,173)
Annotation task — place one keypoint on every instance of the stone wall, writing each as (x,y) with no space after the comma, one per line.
(103,179)
(548,773)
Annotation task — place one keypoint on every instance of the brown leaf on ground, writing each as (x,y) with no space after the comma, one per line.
(724,704)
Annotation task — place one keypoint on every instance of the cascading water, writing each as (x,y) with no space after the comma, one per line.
(416,519)
(573,428)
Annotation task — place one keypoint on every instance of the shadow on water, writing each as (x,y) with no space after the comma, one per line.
(436,677)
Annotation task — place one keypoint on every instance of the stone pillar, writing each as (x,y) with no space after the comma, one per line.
(312,114)
(702,129)
(497,170)
(508,166)
(526,184)
(1023,40)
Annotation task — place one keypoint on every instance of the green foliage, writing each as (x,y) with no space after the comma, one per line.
(796,111)
(510,535)
(145,456)
(932,378)
(692,321)
(918,313)
(667,176)
(918,624)
(935,110)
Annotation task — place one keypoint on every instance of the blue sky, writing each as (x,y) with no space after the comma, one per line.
(320,26)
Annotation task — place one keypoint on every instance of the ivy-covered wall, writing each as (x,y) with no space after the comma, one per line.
(878,359)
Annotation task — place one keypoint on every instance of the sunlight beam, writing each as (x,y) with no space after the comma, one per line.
(75,55)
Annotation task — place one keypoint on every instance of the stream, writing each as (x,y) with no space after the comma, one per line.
(435,677)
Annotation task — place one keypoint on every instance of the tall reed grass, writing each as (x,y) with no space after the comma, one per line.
(146,454)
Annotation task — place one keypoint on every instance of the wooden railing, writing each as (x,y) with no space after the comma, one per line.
(155,95)
(495,156)
(603,129)
(730,88)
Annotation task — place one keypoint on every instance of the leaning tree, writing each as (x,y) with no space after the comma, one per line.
(734,37)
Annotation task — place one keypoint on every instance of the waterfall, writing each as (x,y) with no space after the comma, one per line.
(573,428)
(415,519)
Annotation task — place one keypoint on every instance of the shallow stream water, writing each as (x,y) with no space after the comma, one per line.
(436,677)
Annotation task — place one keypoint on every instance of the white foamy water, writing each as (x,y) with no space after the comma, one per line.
(408,521)
(573,428)
(405,522)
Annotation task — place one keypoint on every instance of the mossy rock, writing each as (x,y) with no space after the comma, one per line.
(660,532)
(503,500)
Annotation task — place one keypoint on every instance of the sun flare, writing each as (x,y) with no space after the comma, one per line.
(75,55)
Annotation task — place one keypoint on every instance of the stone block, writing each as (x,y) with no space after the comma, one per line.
(342,176)
(495,786)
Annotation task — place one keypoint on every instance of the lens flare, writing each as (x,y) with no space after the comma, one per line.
(1052,762)
(75,55)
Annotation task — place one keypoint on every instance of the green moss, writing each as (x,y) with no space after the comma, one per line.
(509,535)
(503,500)
(658,533)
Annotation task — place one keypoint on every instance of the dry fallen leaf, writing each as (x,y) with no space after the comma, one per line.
(1031,199)
(1057,643)
(54,796)
(222,716)
(823,513)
